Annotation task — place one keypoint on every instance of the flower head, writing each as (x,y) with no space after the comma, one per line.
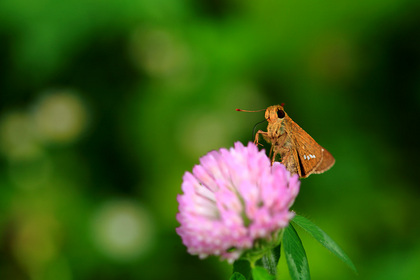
(233,198)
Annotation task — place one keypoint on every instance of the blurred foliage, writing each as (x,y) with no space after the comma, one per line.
(105,104)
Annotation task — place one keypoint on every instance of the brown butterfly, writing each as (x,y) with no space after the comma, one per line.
(299,152)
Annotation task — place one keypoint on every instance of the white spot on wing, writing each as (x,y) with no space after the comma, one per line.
(308,157)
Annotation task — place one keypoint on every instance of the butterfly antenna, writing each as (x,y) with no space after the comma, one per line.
(240,110)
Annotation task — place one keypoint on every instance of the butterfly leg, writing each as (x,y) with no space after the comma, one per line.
(263,133)
(278,148)
(285,154)
(270,153)
(290,160)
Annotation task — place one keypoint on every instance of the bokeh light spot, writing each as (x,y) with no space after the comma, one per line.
(60,117)
(198,134)
(122,230)
(160,53)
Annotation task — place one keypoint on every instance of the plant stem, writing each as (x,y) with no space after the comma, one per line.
(270,260)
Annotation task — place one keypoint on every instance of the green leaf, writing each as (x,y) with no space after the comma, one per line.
(270,260)
(295,255)
(323,238)
(243,267)
(260,273)
(237,276)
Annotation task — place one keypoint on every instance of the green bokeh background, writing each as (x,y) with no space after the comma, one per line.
(105,104)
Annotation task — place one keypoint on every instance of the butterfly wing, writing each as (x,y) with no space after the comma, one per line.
(308,154)
(327,162)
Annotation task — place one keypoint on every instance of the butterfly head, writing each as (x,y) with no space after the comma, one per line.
(275,114)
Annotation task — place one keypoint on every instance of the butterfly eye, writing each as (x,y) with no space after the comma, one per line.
(281,114)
